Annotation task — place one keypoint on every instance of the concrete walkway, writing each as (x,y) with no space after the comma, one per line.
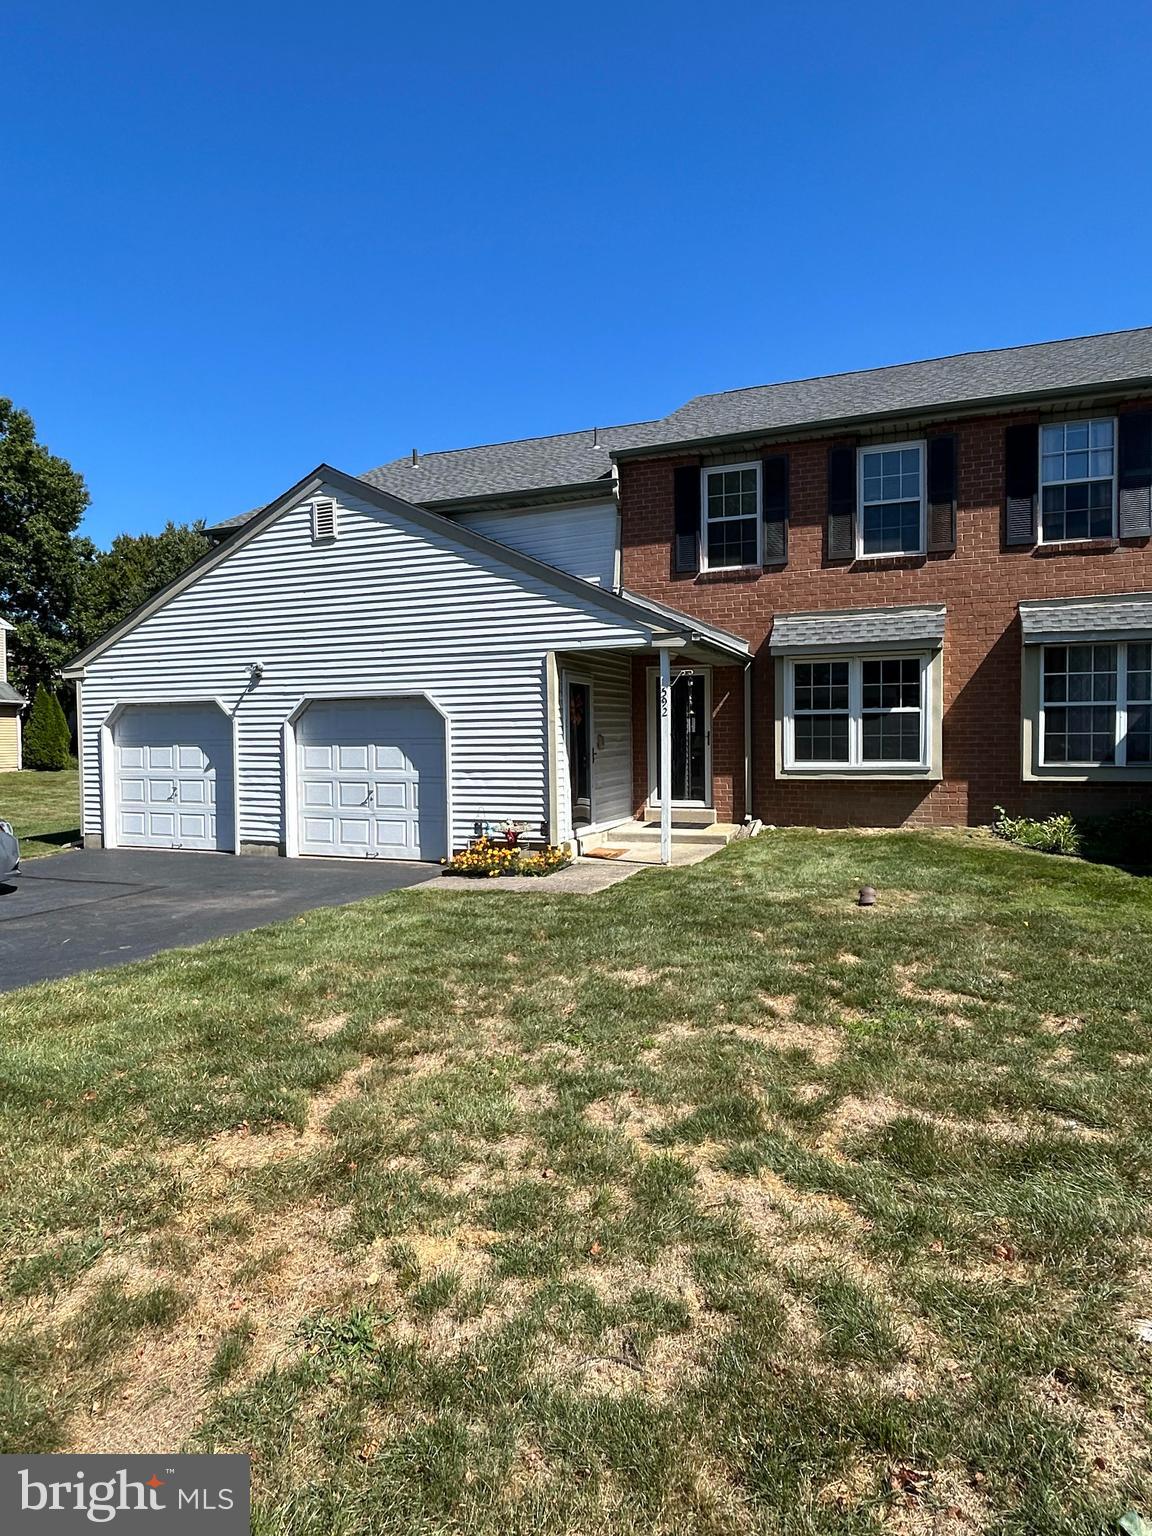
(584,877)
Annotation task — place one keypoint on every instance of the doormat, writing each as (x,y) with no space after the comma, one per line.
(605,853)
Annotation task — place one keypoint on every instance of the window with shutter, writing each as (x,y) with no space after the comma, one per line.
(891,518)
(1078,481)
(732,516)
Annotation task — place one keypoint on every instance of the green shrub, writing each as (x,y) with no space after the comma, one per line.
(47,739)
(1123,838)
(1056,834)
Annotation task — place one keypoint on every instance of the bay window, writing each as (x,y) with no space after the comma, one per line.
(857,712)
(1096,705)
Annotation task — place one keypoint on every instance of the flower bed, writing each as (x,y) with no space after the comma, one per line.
(488,858)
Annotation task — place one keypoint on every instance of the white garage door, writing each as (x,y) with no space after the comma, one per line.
(372,780)
(174,777)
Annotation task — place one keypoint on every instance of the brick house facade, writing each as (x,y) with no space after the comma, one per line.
(980,583)
(898,596)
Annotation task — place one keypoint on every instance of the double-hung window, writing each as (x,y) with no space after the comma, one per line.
(891,500)
(731,497)
(858,712)
(1078,480)
(1096,705)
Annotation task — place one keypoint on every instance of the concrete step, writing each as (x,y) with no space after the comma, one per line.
(641,834)
(684,816)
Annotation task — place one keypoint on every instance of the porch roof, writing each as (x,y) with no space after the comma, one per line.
(694,631)
(8,695)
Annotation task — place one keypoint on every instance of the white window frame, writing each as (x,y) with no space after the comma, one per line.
(857,763)
(720,469)
(922,541)
(1040,482)
(1120,729)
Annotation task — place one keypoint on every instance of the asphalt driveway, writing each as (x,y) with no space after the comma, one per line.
(81,911)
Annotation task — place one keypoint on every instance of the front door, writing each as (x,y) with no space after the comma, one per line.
(578,740)
(691,740)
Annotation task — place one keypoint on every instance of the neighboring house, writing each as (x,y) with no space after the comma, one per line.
(895,596)
(11,704)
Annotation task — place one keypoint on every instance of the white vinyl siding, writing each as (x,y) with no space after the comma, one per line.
(611,679)
(390,605)
(582,540)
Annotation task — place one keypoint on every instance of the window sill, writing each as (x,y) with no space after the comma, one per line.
(915,774)
(1138,773)
(1077,547)
(881,562)
(733,573)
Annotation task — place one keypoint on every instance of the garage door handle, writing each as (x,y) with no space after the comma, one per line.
(175,792)
(368,799)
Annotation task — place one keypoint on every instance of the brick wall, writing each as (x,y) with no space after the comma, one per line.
(980,583)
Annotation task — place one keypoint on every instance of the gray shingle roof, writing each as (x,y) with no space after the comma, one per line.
(495,469)
(967,376)
(579,458)
(1080,618)
(856,628)
(8,695)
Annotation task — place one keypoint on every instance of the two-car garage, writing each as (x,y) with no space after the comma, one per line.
(364,777)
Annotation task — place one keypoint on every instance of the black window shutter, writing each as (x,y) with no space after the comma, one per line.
(686,512)
(774,504)
(1021,483)
(842,503)
(1135,479)
(941,493)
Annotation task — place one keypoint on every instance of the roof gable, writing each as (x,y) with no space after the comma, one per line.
(654,623)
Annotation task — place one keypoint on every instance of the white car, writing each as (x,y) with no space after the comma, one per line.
(9,851)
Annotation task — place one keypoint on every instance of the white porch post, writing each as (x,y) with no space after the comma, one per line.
(665,756)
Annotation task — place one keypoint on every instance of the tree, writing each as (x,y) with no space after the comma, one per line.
(42,500)
(47,739)
(113,582)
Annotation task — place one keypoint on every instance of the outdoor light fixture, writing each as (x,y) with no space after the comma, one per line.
(867,897)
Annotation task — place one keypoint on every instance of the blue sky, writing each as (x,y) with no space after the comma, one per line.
(243,238)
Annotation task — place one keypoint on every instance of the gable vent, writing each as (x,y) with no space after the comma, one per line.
(323,520)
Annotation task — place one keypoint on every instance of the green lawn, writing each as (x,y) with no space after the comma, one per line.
(710,1204)
(44,808)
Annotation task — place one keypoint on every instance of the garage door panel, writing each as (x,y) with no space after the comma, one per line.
(173,777)
(400,797)
(318,757)
(381,757)
(355,830)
